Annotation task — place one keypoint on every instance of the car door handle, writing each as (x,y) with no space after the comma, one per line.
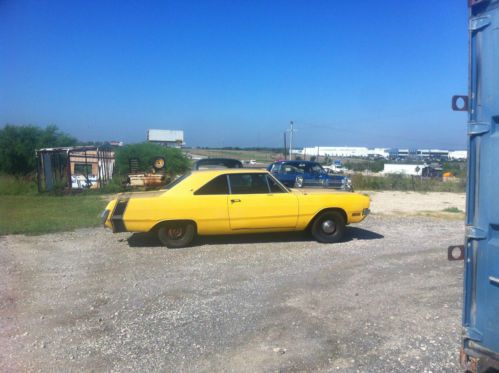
(235,200)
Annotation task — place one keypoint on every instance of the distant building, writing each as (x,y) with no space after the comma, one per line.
(458,154)
(433,153)
(171,138)
(345,151)
(386,153)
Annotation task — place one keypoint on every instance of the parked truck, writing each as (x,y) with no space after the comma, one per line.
(480,339)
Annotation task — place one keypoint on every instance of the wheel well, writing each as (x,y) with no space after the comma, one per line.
(168,222)
(337,209)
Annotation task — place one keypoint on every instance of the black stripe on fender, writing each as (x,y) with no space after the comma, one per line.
(117,217)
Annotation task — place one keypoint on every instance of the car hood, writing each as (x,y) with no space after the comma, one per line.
(306,191)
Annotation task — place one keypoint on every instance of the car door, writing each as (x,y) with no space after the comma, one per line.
(285,173)
(258,202)
(313,172)
(211,212)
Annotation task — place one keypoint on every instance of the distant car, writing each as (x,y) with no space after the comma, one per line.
(335,168)
(212,202)
(300,174)
(217,163)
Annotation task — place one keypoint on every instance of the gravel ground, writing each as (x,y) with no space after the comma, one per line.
(385,300)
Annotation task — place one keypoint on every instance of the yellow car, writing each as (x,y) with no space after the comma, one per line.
(233,201)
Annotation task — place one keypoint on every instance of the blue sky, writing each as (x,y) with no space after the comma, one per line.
(234,73)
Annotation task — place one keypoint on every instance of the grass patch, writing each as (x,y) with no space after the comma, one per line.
(39,214)
(17,185)
(444,215)
(453,210)
(404,183)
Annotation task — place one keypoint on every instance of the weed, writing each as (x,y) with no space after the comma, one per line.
(452,209)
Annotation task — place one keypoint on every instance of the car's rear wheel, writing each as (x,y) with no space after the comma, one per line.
(176,234)
(299,182)
(328,227)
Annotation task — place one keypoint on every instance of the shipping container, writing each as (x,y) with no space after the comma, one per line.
(480,344)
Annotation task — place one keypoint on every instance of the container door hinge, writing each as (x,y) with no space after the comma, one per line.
(473,334)
(475,233)
(477,128)
(479,23)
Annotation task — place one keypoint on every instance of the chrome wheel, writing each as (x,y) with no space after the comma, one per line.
(328,226)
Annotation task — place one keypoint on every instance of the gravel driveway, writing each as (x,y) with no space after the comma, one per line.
(386,300)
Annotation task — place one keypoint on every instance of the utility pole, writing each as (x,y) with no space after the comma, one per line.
(285,146)
(291,130)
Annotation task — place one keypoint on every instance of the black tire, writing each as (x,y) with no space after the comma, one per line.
(299,182)
(176,234)
(328,227)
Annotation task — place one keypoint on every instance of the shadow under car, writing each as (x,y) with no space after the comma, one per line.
(351,233)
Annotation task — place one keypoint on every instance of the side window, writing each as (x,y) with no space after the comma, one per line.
(214,187)
(248,184)
(302,167)
(83,169)
(276,167)
(289,169)
(274,185)
(317,169)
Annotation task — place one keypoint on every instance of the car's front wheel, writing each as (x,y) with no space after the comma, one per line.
(328,227)
(176,234)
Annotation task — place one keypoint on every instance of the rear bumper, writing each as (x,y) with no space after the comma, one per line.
(112,217)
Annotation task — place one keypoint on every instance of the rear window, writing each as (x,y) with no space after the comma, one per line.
(176,181)
(216,186)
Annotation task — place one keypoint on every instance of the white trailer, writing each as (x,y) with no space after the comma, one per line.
(403,169)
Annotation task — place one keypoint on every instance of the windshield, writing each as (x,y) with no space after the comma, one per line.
(177,181)
(306,167)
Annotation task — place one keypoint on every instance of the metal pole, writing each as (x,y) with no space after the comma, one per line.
(285,146)
(291,141)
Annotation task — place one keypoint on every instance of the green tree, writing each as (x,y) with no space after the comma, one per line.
(18,145)
(145,153)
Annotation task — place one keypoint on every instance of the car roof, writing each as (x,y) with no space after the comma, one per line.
(295,162)
(198,178)
(223,171)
